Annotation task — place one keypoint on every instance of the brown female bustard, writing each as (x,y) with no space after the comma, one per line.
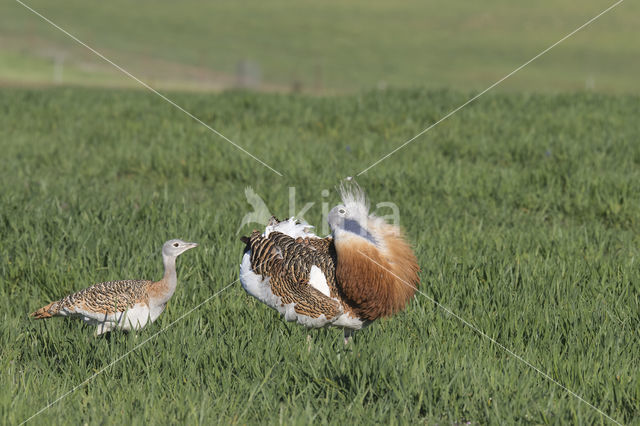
(127,304)
(365,270)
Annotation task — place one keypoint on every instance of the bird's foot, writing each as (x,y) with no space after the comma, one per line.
(102,329)
(347,336)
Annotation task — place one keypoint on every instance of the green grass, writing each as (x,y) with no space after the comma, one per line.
(523,209)
(329,46)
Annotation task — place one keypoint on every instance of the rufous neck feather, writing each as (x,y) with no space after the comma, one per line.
(378,278)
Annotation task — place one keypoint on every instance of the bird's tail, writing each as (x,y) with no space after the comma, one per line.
(46,312)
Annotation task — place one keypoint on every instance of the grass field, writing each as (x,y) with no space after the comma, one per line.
(523,209)
(327,47)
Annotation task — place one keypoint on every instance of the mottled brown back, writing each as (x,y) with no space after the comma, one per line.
(288,261)
(107,297)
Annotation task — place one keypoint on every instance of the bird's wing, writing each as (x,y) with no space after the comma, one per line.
(306,300)
(106,298)
(287,263)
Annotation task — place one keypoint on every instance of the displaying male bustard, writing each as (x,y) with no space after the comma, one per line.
(364,271)
(126,305)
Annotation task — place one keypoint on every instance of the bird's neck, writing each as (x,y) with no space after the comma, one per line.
(170,278)
(354,233)
(379,281)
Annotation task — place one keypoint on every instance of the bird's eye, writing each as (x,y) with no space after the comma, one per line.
(341,211)
(176,244)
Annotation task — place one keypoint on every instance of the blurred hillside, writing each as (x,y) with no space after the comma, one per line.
(323,47)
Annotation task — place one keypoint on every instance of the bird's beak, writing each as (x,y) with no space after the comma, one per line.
(192,245)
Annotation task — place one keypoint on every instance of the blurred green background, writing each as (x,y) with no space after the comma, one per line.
(323,47)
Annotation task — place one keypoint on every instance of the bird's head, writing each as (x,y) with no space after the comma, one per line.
(174,248)
(351,218)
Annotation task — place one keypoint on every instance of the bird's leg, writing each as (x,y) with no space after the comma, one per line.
(347,336)
(103,328)
(308,343)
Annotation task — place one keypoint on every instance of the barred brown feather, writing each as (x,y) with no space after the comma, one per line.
(287,262)
(108,297)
